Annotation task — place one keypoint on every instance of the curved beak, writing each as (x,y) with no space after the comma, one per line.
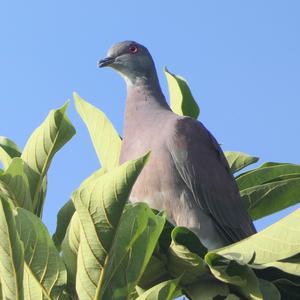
(105,62)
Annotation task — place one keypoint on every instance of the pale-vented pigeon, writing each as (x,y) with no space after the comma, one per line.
(187,175)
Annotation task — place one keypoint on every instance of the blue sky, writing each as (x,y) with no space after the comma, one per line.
(241,59)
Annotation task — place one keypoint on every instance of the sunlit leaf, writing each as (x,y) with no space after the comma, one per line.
(238,160)
(182,101)
(265,199)
(45,141)
(44,274)
(99,205)
(11,253)
(17,178)
(277,242)
(66,212)
(106,140)
(265,173)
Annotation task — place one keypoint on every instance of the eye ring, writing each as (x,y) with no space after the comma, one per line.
(133,49)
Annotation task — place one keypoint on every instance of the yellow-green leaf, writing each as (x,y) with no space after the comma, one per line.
(182,101)
(106,140)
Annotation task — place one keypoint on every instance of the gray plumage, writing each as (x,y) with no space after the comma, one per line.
(187,174)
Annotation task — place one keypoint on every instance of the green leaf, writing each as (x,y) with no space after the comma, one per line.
(269,290)
(156,271)
(288,289)
(264,174)
(235,273)
(4,158)
(182,101)
(45,141)
(17,178)
(207,288)
(45,275)
(8,150)
(106,140)
(181,260)
(10,147)
(239,160)
(99,205)
(70,247)
(269,198)
(132,248)
(11,253)
(270,246)
(66,212)
(64,217)
(167,290)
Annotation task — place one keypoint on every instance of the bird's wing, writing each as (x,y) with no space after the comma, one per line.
(203,167)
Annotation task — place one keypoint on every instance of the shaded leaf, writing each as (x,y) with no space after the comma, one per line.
(155,272)
(11,253)
(207,288)
(288,289)
(239,160)
(167,290)
(269,290)
(45,274)
(182,101)
(44,142)
(181,260)
(236,273)
(106,140)
(63,219)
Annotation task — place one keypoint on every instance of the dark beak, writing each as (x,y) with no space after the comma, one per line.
(105,62)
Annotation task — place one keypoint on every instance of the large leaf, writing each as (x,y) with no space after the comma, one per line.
(11,253)
(133,245)
(181,260)
(270,246)
(239,160)
(70,247)
(45,141)
(106,140)
(266,173)
(99,205)
(269,198)
(45,274)
(8,150)
(17,178)
(66,212)
(182,101)
(167,290)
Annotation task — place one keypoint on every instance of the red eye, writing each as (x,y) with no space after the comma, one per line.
(133,49)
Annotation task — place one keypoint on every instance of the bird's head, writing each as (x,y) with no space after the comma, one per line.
(131,59)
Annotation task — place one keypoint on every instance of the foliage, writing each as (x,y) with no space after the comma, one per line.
(107,248)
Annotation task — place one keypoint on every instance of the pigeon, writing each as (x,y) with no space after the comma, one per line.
(187,175)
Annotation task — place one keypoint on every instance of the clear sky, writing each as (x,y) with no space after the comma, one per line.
(241,59)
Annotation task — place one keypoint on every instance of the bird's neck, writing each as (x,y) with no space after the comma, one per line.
(145,101)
